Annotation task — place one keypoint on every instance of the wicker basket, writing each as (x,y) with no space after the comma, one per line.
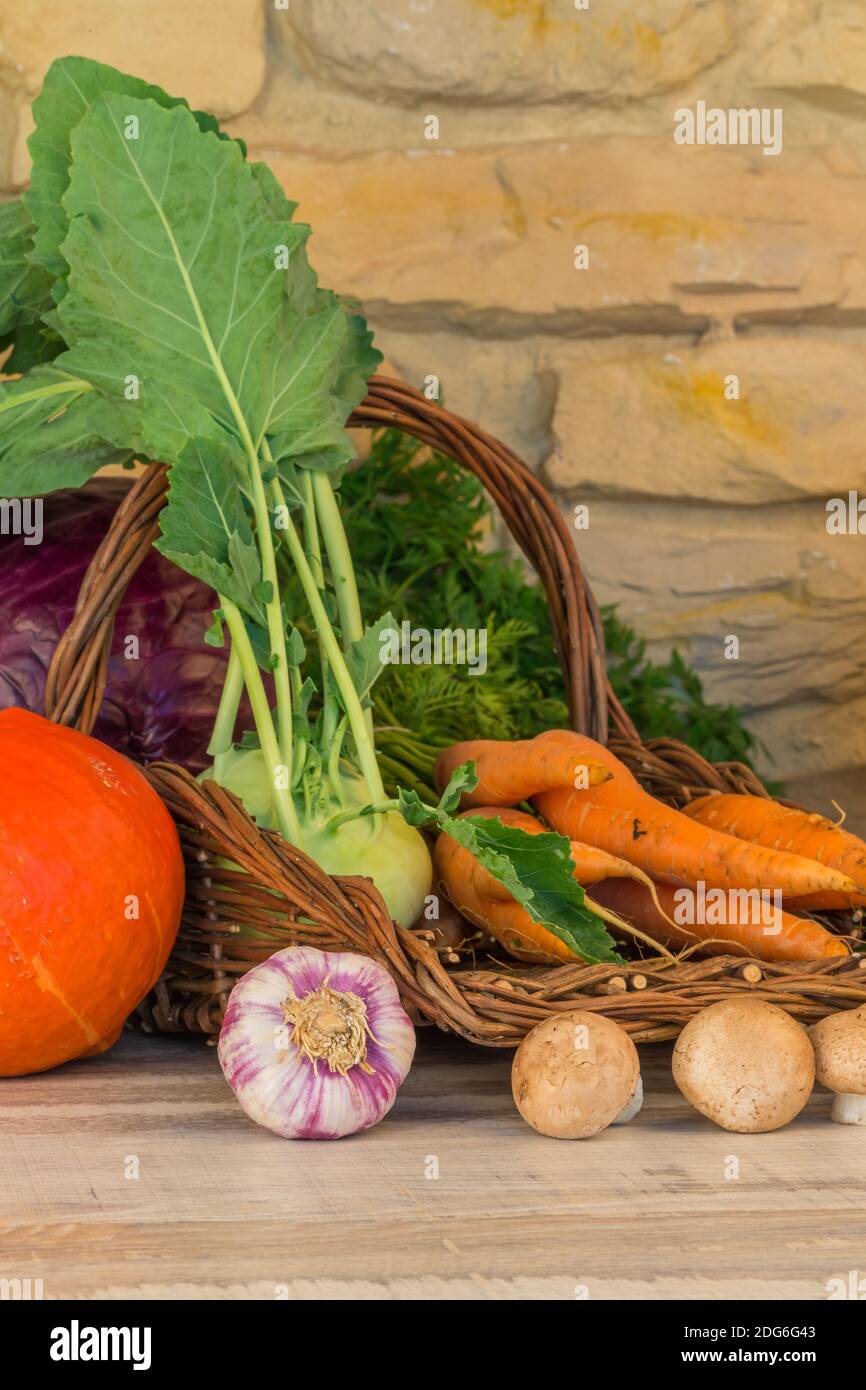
(235,917)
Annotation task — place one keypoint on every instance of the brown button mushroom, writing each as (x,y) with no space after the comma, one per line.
(574,1075)
(840,1054)
(745,1064)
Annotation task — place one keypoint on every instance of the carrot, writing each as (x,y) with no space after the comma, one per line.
(528,767)
(825,902)
(619,816)
(765,822)
(591,864)
(625,820)
(798,937)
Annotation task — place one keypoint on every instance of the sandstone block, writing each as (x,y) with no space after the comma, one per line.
(794,596)
(678,238)
(747,420)
(211,54)
(510,50)
(823,59)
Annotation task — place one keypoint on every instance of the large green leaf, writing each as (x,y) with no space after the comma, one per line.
(176,276)
(205,528)
(272,192)
(358,362)
(71,87)
(319,445)
(56,431)
(25,292)
(32,254)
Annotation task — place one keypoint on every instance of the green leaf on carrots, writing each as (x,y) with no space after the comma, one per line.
(537,870)
(463,779)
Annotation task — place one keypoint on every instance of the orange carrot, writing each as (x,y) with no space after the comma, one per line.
(619,816)
(529,767)
(798,938)
(825,902)
(628,822)
(764,822)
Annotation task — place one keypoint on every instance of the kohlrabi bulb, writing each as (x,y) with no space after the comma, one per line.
(382,847)
(385,849)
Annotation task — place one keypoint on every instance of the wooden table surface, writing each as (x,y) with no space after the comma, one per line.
(136,1175)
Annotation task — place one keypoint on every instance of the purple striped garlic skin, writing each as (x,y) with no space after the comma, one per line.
(315,1044)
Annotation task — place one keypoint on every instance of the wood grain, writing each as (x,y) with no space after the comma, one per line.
(223,1210)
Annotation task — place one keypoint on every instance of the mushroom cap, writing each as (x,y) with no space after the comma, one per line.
(573,1074)
(840,1052)
(745,1064)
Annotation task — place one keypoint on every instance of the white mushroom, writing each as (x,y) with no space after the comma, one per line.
(633,1107)
(574,1075)
(745,1064)
(840,1054)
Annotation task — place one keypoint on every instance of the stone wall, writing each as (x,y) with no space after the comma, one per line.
(554,128)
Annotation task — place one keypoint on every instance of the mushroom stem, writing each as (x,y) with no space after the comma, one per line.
(848,1110)
(629,1111)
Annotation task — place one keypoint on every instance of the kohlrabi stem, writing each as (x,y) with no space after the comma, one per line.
(227,712)
(336,749)
(314,552)
(342,569)
(339,557)
(278,770)
(273,611)
(300,762)
(378,808)
(311,528)
(351,703)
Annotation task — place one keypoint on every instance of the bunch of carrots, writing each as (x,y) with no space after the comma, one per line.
(633,853)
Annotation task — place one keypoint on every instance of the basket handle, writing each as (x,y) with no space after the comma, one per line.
(76,677)
(75,682)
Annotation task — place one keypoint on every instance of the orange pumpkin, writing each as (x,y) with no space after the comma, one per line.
(91,890)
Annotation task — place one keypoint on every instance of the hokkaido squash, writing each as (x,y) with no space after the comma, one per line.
(91,891)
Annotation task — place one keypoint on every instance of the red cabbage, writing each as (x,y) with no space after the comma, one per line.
(161,705)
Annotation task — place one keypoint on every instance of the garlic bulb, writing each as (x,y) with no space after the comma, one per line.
(315,1044)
